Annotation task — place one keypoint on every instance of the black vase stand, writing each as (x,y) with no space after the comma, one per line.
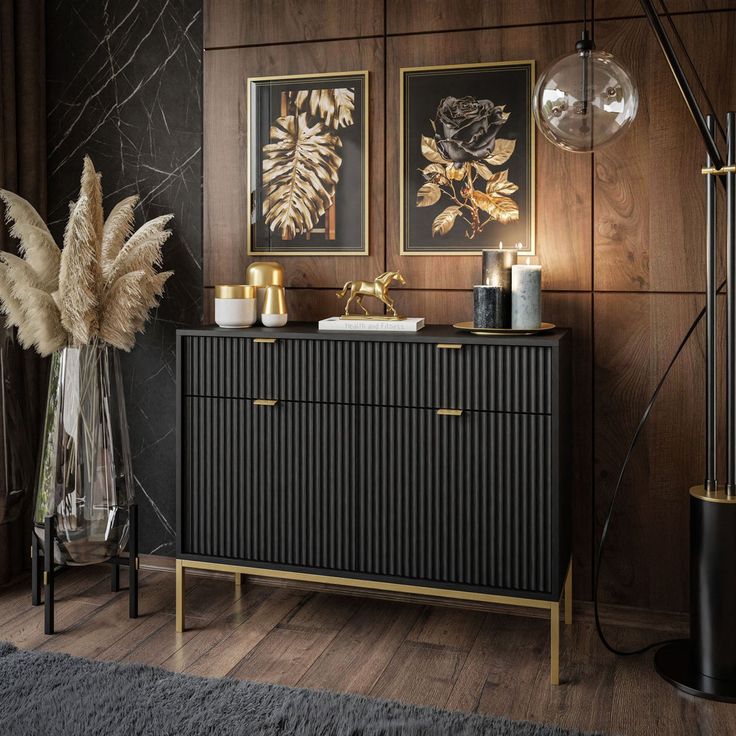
(44,570)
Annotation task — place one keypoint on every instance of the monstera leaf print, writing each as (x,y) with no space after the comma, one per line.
(300,173)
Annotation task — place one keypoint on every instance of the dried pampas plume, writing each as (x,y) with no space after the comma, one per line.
(100,286)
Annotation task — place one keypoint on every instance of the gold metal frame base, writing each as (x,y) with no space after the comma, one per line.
(717,496)
(240,570)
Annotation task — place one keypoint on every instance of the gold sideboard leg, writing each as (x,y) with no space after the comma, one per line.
(554,643)
(180,581)
(238,579)
(568,596)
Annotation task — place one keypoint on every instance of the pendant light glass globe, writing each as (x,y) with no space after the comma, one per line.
(585,101)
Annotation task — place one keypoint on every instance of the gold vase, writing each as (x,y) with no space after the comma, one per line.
(262,274)
(274,312)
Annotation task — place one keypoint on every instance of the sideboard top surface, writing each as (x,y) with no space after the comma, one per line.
(430,333)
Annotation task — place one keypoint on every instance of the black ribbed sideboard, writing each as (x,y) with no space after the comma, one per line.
(435,463)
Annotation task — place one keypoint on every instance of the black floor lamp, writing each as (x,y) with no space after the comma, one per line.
(578,113)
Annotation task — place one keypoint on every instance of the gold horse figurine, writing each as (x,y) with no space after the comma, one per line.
(378,288)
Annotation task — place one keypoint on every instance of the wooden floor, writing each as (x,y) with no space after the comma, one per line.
(469,660)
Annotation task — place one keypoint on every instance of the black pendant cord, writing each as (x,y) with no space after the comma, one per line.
(619,482)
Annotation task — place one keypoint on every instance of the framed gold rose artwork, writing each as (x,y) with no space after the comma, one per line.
(307,164)
(467,158)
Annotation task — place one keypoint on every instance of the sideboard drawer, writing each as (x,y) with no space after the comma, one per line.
(392,492)
(506,378)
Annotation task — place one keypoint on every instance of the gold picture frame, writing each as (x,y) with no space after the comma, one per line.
(405,181)
(254,158)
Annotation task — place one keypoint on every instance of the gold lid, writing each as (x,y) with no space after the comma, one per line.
(235,291)
(275,300)
(265,273)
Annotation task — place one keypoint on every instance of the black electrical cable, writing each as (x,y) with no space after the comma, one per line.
(609,512)
(639,427)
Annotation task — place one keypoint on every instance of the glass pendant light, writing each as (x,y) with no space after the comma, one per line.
(585,100)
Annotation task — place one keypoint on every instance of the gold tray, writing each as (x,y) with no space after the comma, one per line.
(544,327)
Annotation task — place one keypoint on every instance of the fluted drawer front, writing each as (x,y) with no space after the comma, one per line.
(401,493)
(480,377)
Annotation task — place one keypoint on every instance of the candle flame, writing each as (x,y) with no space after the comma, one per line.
(500,244)
(528,261)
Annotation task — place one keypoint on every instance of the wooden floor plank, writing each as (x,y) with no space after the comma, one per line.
(362,650)
(288,651)
(486,662)
(221,646)
(584,699)
(498,675)
(447,627)
(15,600)
(95,632)
(423,674)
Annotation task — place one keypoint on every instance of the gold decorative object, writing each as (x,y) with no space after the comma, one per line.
(275,300)
(235,291)
(299,128)
(235,305)
(377,288)
(470,327)
(274,313)
(265,273)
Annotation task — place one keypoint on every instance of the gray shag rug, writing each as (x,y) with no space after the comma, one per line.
(44,693)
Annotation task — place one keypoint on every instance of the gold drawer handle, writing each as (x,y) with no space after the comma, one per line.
(449,412)
(448,346)
(265,402)
(264,339)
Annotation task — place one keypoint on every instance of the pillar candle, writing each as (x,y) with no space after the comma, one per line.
(497,264)
(490,307)
(526,296)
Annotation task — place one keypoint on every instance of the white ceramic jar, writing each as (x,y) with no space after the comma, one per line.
(235,305)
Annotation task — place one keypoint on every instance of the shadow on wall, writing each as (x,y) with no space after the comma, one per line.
(128,92)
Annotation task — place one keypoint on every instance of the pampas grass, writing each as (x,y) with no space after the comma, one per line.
(101,285)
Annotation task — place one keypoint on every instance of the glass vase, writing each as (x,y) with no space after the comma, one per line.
(85,476)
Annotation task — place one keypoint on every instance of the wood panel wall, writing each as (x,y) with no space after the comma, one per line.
(619,234)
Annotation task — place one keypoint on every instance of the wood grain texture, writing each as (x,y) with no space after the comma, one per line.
(412,16)
(629,219)
(649,193)
(626,8)
(563,181)
(489,662)
(256,22)
(646,560)
(225,147)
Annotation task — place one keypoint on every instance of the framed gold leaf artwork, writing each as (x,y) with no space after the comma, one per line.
(308,164)
(467,158)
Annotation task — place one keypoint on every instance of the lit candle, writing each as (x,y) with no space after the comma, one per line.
(497,264)
(526,296)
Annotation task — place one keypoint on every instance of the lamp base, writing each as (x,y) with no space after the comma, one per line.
(674,663)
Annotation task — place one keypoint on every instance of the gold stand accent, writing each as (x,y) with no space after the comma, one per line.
(718,172)
(180,580)
(554,644)
(239,577)
(239,570)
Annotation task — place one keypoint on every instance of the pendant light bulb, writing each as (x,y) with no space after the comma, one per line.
(585,100)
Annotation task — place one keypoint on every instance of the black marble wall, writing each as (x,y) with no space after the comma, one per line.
(125,86)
